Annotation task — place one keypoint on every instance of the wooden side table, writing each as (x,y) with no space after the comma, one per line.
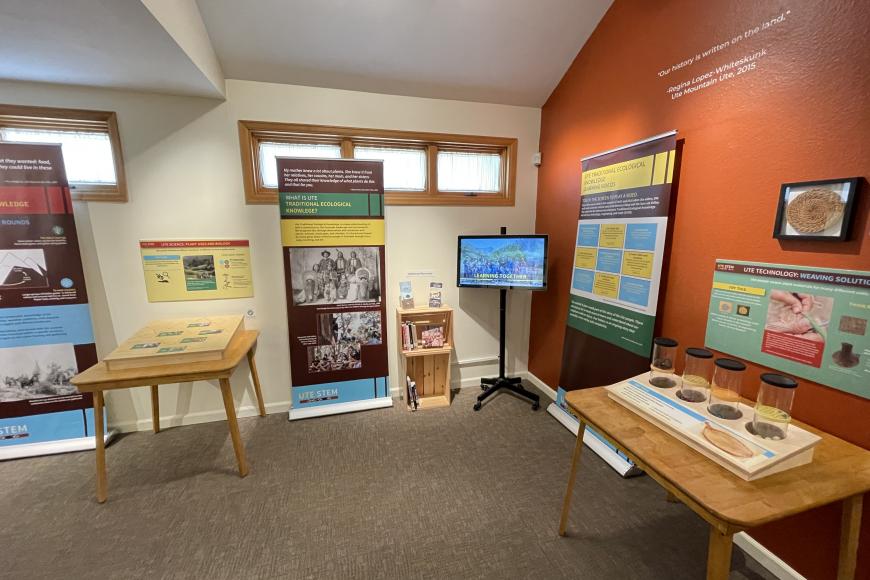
(839,472)
(98,378)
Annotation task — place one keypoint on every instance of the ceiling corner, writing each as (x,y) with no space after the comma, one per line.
(183,22)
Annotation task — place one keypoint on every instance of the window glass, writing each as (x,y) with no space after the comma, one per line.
(404,169)
(87,156)
(468,171)
(268,152)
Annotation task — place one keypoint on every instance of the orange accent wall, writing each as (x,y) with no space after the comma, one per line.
(803,114)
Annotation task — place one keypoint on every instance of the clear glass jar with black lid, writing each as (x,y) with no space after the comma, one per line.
(662,372)
(725,389)
(697,374)
(773,407)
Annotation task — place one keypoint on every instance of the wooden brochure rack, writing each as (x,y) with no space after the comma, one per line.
(428,367)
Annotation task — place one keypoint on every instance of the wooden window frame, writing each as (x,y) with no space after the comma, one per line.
(25,117)
(252,133)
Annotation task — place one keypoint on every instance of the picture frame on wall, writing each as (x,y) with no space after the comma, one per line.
(816,210)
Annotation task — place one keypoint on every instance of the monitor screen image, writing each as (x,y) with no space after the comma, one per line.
(502,262)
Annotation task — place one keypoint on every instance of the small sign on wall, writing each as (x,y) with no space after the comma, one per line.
(181,270)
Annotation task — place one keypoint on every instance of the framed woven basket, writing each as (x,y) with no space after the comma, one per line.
(816,210)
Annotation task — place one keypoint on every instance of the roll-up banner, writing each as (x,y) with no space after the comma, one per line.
(45,325)
(625,199)
(332,237)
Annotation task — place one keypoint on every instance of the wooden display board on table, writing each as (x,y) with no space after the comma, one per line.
(739,451)
(180,340)
(428,367)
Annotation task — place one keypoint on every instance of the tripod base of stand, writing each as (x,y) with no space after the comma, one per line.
(512,384)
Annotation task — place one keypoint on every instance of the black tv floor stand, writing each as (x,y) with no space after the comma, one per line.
(492,385)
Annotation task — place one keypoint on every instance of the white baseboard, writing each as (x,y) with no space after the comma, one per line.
(472,382)
(351,407)
(770,561)
(199,417)
(52,447)
(468,383)
(246,411)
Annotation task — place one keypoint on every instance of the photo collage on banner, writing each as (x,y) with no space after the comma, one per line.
(45,326)
(619,250)
(807,322)
(332,235)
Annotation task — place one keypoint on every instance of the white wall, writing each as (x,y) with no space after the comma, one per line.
(185,181)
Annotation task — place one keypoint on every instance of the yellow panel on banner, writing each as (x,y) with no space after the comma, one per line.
(332,232)
(641,172)
(612,236)
(585,258)
(639,264)
(623,175)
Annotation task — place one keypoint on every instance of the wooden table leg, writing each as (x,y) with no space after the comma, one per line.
(256,377)
(850,529)
(719,555)
(230,408)
(575,461)
(155,409)
(102,483)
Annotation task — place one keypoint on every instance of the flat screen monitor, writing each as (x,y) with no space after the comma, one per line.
(502,262)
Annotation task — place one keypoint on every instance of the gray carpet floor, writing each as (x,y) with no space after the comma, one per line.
(443,493)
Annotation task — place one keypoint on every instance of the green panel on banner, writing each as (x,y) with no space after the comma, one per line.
(375,204)
(294,204)
(632,331)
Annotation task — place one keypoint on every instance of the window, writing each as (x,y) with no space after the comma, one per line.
(90,143)
(419,168)
(469,171)
(269,151)
(404,169)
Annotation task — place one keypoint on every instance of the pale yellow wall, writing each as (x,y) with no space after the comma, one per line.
(184,178)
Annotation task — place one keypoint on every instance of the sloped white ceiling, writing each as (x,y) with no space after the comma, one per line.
(500,51)
(497,51)
(104,43)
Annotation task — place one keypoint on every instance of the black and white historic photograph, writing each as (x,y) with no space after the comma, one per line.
(34,372)
(329,275)
(330,358)
(349,328)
